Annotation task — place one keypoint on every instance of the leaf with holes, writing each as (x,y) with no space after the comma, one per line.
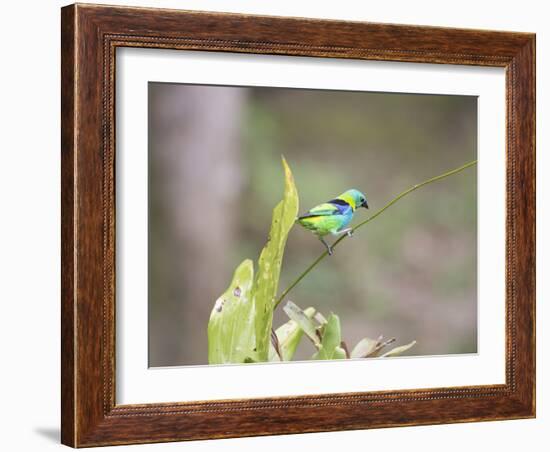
(269,264)
(231,329)
(239,329)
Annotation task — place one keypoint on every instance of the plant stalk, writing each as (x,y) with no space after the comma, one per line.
(372,217)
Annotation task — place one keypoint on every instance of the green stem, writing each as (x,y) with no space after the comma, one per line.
(372,217)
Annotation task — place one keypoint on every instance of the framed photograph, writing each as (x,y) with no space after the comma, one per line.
(282,225)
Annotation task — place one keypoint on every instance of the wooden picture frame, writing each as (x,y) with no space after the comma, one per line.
(90,36)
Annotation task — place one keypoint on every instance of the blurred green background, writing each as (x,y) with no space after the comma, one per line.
(215,176)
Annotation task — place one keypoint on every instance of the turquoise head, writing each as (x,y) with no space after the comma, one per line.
(354,198)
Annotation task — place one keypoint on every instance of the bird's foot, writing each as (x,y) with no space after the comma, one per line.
(327,246)
(348,232)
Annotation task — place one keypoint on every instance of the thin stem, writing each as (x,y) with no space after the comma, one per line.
(372,217)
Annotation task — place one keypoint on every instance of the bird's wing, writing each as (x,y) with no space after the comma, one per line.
(323,210)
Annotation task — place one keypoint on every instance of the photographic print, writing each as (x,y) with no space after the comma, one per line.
(300,224)
(276,225)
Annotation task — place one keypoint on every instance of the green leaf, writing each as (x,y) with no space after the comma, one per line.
(339,353)
(398,350)
(364,347)
(330,344)
(289,335)
(269,264)
(231,329)
(305,322)
(239,329)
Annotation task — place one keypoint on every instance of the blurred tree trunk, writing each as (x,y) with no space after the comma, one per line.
(194,187)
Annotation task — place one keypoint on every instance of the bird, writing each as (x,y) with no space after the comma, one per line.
(333,216)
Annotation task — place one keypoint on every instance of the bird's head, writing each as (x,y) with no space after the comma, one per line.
(355,198)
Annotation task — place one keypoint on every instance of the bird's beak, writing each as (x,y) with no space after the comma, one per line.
(365,205)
